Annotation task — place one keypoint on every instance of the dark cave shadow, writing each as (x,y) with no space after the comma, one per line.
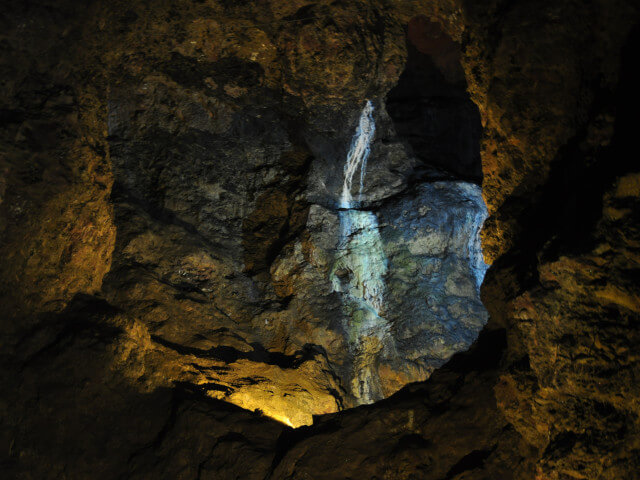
(564,213)
(431,110)
(66,364)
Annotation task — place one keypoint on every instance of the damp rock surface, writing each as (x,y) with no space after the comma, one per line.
(428,248)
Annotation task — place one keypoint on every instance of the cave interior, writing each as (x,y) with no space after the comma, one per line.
(319,240)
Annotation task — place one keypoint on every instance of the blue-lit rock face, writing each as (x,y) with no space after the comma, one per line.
(435,271)
(360,256)
(360,266)
(396,277)
(359,275)
(399,294)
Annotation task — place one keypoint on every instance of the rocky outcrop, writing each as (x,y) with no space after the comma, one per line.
(74,410)
(428,248)
(226,189)
(207,271)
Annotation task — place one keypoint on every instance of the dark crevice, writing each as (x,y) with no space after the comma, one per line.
(259,354)
(471,461)
(412,441)
(205,388)
(484,355)
(192,73)
(431,109)
(290,437)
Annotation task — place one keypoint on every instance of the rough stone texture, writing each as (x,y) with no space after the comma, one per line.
(117,386)
(429,248)
(55,176)
(535,71)
(219,169)
(74,411)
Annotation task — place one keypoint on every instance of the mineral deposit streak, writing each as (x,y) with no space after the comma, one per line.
(358,154)
(361,266)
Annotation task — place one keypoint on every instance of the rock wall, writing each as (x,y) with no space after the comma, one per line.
(127,311)
(55,173)
(226,185)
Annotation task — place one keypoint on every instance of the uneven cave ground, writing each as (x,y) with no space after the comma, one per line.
(190,271)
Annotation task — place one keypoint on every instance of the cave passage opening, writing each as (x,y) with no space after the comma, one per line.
(431,108)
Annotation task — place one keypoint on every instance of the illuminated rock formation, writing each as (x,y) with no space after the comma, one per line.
(360,268)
